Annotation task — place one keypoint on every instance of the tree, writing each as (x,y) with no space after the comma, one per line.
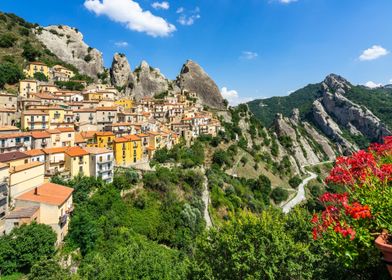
(10,73)
(48,269)
(252,247)
(295,181)
(7,40)
(29,52)
(25,246)
(40,77)
(279,194)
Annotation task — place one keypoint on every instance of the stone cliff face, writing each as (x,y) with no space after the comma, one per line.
(307,146)
(194,79)
(333,112)
(120,72)
(68,45)
(147,81)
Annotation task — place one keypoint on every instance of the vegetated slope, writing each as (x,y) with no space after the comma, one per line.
(352,116)
(19,45)
(266,109)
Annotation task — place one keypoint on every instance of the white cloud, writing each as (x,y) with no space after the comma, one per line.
(161,5)
(372,84)
(233,97)
(248,55)
(132,15)
(121,44)
(390,81)
(188,18)
(372,53)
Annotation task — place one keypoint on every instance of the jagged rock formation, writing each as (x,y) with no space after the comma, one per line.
(334,112)
(67,44)
(300,143)
(147,81)
(194,79)
(120,72)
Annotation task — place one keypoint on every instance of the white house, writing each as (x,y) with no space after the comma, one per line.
(101,163)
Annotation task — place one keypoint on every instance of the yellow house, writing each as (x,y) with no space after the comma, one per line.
(55,204)
(128,150)
(35,120)
(35,67)
(126,103)
(27,88)
(93,96)
(15,158)
(103,139)
(77,161)
(56,116)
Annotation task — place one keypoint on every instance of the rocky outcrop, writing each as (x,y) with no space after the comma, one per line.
(357,119)
(302,145)
(147,81)
(68,45)
(335,82)
(194,79)
(120,72)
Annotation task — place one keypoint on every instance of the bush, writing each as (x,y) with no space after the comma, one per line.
(279,195)
(40,77)
(29,52)
(10,73)
(25,246)
(295,181)
(24,31)
(7,40)
(88,58)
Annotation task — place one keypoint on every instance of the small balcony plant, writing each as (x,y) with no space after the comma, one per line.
(358,208)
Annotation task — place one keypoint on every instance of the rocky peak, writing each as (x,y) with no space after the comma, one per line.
(335,82)
(194,79)
(120,72)
(68,45)
(295,116)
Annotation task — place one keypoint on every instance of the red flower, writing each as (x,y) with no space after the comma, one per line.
(358,211)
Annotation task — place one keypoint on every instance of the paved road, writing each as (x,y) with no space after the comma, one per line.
(300,194)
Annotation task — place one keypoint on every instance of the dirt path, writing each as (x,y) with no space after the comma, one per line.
(206,200)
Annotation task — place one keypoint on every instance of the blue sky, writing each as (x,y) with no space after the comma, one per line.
(251,48)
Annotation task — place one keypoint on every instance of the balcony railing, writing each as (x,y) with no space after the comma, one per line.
(63,220)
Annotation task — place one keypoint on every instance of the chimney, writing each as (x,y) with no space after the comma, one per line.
(36,191)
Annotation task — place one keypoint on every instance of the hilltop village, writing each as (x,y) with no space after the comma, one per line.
(46,131)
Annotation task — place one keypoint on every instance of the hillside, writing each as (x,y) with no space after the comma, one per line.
(352,116)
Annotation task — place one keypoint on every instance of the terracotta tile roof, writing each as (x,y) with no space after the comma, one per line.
(154,133)
(14,135)
(34,152)
(142,135)
(56,150)
(3,165)
(79,138)
(66,129)
(48,193)
(22,167)
(106,108)
(40,134)
(132,137)
(53,131)
(104,133)
(97,151)
(34,112)
(121,140)
(20,213)
(7,157)
(8,127)
(151,148)
(76,152)
(37,63)
(84,110)
(88,134)
(7,110)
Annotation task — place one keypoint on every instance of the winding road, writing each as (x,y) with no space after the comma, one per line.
(300,194)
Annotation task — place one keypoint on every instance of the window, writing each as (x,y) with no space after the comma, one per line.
(69,135)
(26,161)
(108,157)
(81,169)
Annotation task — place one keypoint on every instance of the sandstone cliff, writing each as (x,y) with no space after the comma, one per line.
(194,79)
(68,45)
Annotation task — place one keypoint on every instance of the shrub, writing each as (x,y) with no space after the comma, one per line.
(279,195)
(88,58)
(40,77)
(29,52)
(7,40)
(295,181)
(10,73)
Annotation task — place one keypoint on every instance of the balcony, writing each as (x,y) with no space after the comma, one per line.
(70,209)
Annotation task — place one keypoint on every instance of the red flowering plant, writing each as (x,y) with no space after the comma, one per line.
(360,205)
